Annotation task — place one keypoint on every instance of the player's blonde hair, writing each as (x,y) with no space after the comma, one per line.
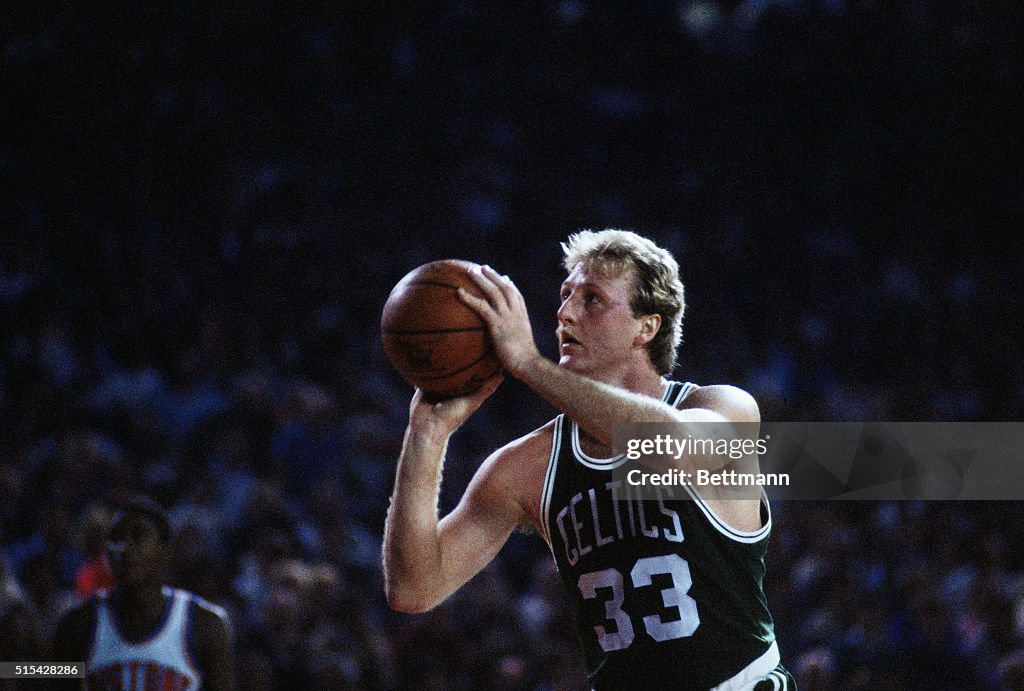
(656,290)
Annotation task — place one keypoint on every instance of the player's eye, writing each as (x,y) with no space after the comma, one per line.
(564,295)
(592,298)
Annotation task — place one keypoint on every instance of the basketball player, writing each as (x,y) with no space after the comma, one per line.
(142,635)
(668,595)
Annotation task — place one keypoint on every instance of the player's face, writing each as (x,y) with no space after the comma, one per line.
(136,551)
(596,327)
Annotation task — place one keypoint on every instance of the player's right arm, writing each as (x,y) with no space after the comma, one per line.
(426,559)
(71,642)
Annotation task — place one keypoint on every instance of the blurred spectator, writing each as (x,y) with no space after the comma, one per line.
(814,670)
(203,220)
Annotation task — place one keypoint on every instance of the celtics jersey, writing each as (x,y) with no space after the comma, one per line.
(666,595)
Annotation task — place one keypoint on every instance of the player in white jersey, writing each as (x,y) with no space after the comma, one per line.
(143,635)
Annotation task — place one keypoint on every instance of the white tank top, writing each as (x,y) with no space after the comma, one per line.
(159,662)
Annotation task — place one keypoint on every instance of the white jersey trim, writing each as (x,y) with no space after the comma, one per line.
(745,536)
(610,463)
(166,645)
(614,462)
(558,436)
(186,633)
(756,671)
(549,477)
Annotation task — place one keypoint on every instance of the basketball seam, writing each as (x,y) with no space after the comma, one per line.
(421,282)
(460,371)
(393,332)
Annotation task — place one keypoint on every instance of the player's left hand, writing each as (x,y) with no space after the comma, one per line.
(503,308)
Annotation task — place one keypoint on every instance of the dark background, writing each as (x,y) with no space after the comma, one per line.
(205,206)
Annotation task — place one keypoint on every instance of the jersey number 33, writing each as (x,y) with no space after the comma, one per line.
(641,576)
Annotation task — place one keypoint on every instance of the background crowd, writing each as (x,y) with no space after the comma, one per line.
(205,206)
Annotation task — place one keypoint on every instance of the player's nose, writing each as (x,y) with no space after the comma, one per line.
(567,311)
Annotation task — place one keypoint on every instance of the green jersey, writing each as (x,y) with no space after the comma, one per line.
(666,595)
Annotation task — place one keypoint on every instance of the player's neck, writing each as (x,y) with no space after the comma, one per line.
(640,379)
(139,612)
(147,599)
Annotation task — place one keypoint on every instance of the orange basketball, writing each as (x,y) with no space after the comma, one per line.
(432,339)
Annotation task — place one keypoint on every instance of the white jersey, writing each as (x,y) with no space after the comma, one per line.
(159,662)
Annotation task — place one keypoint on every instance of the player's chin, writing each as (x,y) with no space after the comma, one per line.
(128,574)
(571,363)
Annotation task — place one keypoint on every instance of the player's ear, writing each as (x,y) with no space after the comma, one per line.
(649,326)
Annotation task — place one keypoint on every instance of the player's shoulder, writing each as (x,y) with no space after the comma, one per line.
(517,468)
(207,617)
(513,475)
(731,401)
(532,446)
(519,460)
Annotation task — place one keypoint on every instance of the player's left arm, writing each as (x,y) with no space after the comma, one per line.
(212,646)
(595,406)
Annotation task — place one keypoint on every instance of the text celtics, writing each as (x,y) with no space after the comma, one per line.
(614,512)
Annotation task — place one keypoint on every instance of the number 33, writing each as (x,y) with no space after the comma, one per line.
(643,570)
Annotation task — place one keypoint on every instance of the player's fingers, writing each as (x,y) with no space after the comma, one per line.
(516,297)
(482,277)
(512,291)
(476,303)
(504,285)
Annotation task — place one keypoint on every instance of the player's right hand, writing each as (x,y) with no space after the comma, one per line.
(449,413)
(503,308)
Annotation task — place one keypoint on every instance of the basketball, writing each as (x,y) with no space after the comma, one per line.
(431,338)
